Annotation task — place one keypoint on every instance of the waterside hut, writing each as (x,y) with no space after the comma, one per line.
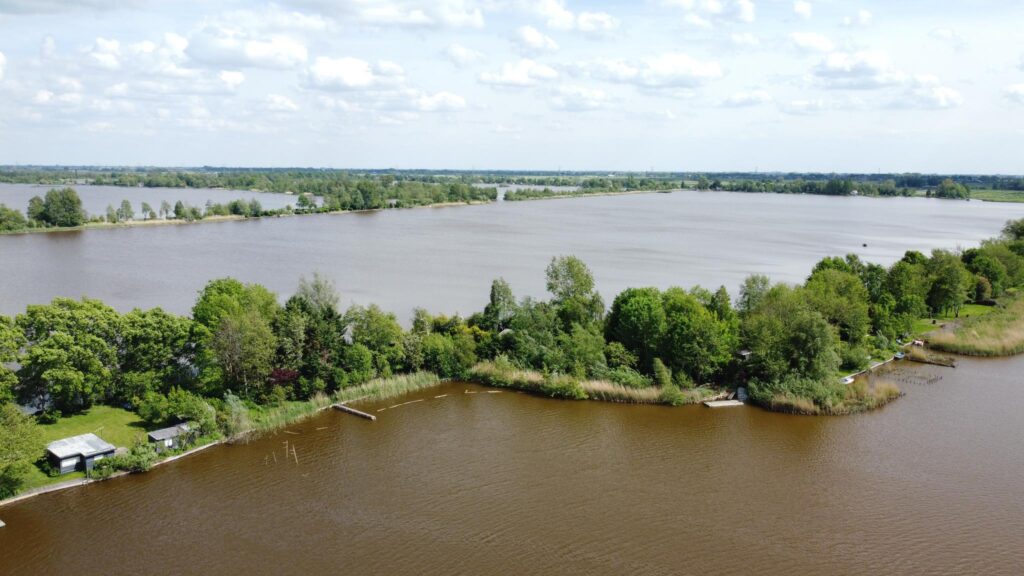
(78,452)
(170,438)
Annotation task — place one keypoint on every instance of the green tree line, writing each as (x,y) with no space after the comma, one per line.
(241,347)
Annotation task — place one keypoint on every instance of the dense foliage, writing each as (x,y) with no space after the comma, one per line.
(241,349)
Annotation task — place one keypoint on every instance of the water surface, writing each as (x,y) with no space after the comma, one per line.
(445,258)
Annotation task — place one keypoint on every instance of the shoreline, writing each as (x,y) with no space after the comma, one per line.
(221,219)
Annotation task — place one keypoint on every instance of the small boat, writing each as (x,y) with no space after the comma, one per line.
(899,355)
(848,380)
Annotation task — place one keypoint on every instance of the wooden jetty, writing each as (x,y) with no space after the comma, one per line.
(355,412)
(722,403)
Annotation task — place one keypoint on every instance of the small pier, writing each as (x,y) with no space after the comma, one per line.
(355,412)
(722,403)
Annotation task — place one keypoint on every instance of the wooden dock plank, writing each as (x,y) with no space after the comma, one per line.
(722,403)
(355,412)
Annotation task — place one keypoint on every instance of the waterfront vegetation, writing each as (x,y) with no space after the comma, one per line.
(243,362)
(1000,333)
(61,209)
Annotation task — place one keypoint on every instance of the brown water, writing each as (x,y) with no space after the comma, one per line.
(445,258)
(512,484)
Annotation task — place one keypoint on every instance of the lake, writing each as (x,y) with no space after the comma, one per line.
(445,258)
(95,199)
(513,484)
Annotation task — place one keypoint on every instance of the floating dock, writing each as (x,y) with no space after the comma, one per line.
(355,412)
(722,403)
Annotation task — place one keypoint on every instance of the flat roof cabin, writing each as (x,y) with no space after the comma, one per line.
(78,452)
(169,438)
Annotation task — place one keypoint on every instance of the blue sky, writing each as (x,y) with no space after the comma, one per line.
(810,85)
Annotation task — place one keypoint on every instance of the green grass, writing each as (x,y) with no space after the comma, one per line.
(925,325)
(115,425)
(998,195)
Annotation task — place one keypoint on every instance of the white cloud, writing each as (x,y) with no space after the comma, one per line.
(579,98)
(704,13)
(803,9)
(745,39)
(55,6)
(231,78)
(559,17)
(534,41)
(404,13)
(105,53)
(811,42)
(462,56)
(857,70)
(677,69)
(927,92)
(698,21)
(596,23)
(1020,64)
(231,46)
(950,37)
(439,102)
(348,73)
(48,49)
(1015,93)
(279,103)
(665,71)
(3,65)
(863,18)
(746,99)
(525,72)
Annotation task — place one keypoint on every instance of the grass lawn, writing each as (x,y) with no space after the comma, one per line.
(925,325)
(115,425)
(998,195)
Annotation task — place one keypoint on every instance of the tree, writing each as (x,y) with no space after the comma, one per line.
(165,208)
(71,353)
(951,283)
(125,212)
(501,307)
(695,340)
(989,268)
(21,443)
(951,189)
(112,216)
(320,292)
(637,321)
(572,288)
(11,220)
(225,296)
(180,212)
(36,209)
(156,343)
(752,292)
(244,345)
(840,297)
(787,338)
(11,341)
(1014,229)
(147,211)
(62,208)
(378,331)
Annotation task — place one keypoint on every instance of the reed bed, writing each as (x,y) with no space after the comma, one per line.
(384,388)
(270,419)
(860,396)
(504,375)
(1000,333)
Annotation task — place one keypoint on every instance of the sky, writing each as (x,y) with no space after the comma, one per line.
(668,85)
